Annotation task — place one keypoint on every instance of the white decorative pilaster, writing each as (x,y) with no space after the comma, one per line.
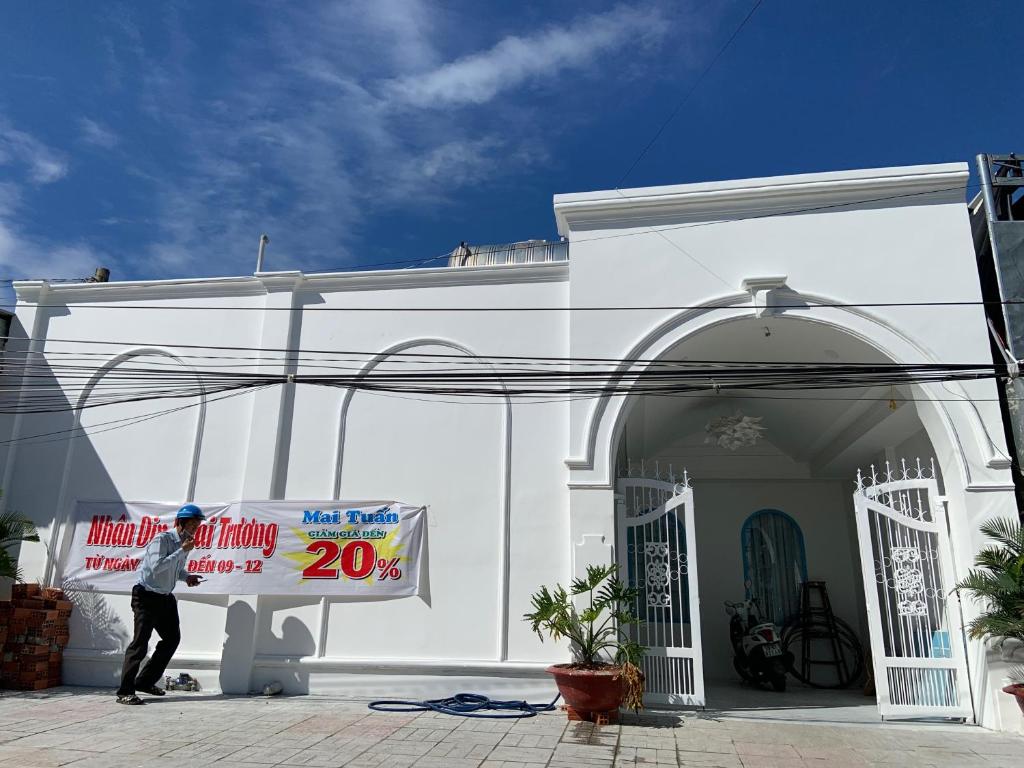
(591,528)
(266,467)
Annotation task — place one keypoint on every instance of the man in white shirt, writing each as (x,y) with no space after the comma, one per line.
(162,566)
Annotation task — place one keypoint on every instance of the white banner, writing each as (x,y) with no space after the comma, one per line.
(359,548)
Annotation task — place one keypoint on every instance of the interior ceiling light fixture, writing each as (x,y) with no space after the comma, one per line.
(734,432)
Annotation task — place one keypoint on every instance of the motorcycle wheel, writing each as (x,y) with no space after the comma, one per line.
(741,669)
(778,683)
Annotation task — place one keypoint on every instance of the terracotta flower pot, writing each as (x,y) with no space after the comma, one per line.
(1016,689)
(589,690)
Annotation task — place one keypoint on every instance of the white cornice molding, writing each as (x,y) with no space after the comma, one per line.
(32,291)
(651,205)
(148,290)
(277,282)
(397,279)
(989,488)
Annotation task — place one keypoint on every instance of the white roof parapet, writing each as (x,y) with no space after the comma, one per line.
(29,291)
(713,200)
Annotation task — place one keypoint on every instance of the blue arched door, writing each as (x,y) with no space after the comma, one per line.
(774,563)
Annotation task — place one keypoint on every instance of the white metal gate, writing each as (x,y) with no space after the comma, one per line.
(917,645)
(658,556)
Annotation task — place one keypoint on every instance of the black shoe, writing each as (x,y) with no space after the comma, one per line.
(130,700)
(152,691)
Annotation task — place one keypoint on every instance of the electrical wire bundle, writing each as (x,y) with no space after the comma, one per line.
(74,380)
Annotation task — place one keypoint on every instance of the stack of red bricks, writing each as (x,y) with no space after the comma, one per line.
(33,635)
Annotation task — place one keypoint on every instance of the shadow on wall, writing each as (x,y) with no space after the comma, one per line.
(287,650)
(240,626)
(94,622)
(296,641)
(52,443)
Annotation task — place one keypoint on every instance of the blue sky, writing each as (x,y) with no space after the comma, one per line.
(160,139)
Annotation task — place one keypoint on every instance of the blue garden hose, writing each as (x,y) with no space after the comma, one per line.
(466,705)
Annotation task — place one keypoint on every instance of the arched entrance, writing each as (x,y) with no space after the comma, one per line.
(797,451)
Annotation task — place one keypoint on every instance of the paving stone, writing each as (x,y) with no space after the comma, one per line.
(86,730)
(389,747)
(837,757)
(889,757)
(545,740)
(447,762)
(942,759)
(521,754)
(474,737)
(635,739)
(265,754)
(460,750)
(316,758)
(700,743)
(211,752)
(382,761)
(96,761)
(771,761)
(744,748)
(42,758)
(709,759)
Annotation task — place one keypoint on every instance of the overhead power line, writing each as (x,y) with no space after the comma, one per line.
(90,430)
(690,92)
(59,386)
(297,353)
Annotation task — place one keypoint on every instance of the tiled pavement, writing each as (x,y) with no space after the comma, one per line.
(85,729)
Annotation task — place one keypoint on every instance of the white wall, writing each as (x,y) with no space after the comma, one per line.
(490,473)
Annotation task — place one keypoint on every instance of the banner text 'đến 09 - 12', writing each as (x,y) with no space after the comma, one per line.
(357,548)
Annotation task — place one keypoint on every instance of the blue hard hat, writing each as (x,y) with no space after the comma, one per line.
(190,512)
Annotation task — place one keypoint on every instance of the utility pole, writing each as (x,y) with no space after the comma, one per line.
(997,223)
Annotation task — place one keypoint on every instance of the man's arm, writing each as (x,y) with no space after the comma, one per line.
(160,558)
(183,568)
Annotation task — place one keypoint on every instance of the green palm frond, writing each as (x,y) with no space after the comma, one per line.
(1008,533)
(601,624)
(14,529)
(998,583)
(996,625)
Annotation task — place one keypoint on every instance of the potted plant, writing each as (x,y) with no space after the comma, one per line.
(604,673)
(998,584)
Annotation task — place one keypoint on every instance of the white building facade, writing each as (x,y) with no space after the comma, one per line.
(524,493)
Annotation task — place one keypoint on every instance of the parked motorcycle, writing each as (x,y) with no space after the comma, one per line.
(758,655)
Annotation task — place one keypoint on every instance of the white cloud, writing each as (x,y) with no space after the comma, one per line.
(44,165)
(23,255)
(514,61)
(96,134)
(354,108)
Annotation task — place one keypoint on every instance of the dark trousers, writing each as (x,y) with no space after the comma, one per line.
(152,611)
